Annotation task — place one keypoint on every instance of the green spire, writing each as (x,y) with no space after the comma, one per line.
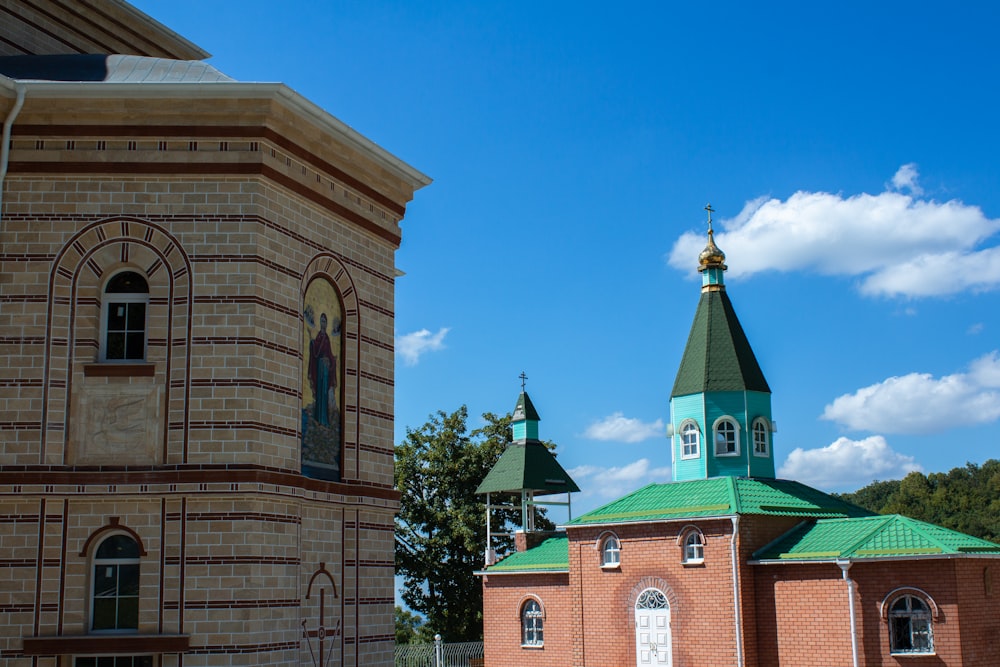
(718,356)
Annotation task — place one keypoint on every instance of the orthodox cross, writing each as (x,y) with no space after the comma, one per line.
(710,212)
(523,379)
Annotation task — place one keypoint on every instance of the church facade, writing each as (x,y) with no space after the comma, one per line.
(727,565)
(196,321)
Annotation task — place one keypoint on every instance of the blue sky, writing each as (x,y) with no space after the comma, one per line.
(849,150)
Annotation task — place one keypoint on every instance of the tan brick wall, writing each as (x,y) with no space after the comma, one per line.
(208,475)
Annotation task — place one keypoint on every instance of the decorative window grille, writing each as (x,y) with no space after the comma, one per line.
(531,624)
(652,599)
(910,627)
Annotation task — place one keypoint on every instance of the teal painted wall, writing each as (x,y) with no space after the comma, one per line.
(682,408)
(705,409)
(526,430)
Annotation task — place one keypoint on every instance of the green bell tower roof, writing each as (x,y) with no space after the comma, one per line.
(718,356)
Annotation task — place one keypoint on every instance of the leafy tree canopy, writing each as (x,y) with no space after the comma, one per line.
(441,525)
(965,499)
(408,627)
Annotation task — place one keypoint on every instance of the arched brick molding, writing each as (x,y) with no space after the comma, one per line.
(114,525)
(76,278)
(328,267)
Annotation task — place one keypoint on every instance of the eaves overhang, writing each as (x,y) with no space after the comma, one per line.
(872,559)
(279,92)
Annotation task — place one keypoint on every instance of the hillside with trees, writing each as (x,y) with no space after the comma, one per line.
(965,499)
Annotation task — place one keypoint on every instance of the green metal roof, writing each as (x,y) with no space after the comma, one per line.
(527,466)
(873,537)
(524,410)
(718,356)
(552,555)
(719,496)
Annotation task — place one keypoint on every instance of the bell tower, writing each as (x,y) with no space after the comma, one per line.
(720,405)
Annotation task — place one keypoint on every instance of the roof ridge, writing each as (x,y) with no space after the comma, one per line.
(881,527)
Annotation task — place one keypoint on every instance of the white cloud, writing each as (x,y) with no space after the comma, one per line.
(976,329)
(921,403)
(895,243)
(847,464)
(412,346)
(620,428)
(906,179)
(597,483)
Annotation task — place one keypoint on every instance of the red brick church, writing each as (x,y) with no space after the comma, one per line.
(727,565)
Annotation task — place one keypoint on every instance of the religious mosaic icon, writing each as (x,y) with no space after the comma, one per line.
(321,383)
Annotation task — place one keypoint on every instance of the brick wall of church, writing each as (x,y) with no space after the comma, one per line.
(503,599)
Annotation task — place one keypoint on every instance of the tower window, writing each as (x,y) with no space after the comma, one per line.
(115,601)
(690,440)
(726,440)
(123,317)
(761,446)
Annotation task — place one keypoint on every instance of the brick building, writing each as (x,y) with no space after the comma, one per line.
(196,323)
(728,566)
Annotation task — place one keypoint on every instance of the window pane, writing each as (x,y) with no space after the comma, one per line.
(135,344)
(128,613)
(106,661)
(105,581)
(86,662)
(118,546)
(128,580)
(127,282)
(104,613)
(117,313)
(136,316)
(115,348)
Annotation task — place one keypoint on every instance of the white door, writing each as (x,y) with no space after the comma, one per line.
(652,628)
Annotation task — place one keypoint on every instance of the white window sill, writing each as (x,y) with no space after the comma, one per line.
(533,646)
(727,455)
(611,566)
(913,654)
(693,561)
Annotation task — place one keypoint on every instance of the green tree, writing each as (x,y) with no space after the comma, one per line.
(441,525)
(966,499)
(407,626)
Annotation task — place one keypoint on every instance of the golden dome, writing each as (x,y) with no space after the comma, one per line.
(711,256)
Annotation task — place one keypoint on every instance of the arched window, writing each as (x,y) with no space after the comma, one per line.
(761,444)
(694,548)
(690,440)
(726,437)
(611,555)
(531,624)
(123,317)
(910,626)
(115,600)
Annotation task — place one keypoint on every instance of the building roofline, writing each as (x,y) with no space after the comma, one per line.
(679,519)
(160,28)
(870,559)
(224,90)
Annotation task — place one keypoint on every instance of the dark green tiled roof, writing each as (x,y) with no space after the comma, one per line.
(873,537)
(718,356)
(720,496)
(552,555)
(527,466)
(524,410)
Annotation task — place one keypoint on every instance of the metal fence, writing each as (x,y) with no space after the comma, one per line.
(439,654)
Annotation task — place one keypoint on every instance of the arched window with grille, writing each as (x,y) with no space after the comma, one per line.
(532,622)
(911,628)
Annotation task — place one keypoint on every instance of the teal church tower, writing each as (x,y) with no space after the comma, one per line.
(720,406)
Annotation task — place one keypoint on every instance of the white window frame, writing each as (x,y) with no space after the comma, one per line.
(117,563)
(690,426)
(736,436)
(107,299)
(694,548)
(919,622)
(611,552)
(532,624)
(761,427)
